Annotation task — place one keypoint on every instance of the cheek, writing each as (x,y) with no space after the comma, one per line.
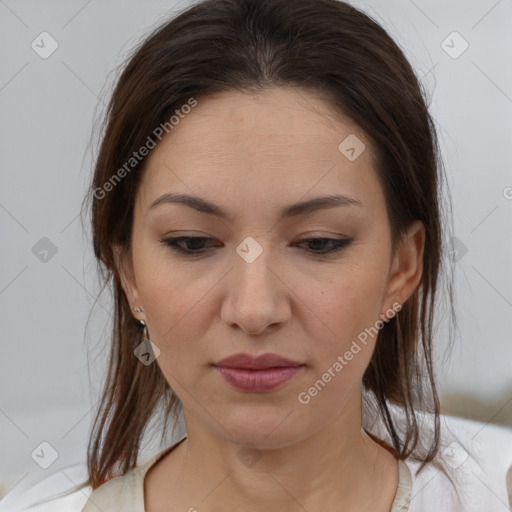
(170,296)
(173,306)
(347,313)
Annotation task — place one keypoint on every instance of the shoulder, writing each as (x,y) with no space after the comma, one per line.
(67,490)
(124,492)
(58,492)
(477,458)
(120,490)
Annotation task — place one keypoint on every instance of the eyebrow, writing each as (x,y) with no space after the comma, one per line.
(293,210)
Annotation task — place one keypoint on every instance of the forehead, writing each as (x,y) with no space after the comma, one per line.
(274,147)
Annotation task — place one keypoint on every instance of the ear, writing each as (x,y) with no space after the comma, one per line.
(125,268)
(406,267)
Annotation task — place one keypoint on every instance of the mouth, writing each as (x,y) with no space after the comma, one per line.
(258,374)
(262,362)
(255,381)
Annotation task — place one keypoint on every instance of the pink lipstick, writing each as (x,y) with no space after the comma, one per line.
(257,374)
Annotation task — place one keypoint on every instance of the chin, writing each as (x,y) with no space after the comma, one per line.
(265,430)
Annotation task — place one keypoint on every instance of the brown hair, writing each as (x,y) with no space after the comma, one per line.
(325,46)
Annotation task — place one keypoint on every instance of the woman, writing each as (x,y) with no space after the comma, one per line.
(267,202)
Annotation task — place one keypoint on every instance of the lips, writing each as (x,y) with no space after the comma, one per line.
(262,362)
(264,373)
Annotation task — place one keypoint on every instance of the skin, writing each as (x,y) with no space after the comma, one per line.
(254,154)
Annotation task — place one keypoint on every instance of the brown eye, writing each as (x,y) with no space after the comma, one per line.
(194,245)
(333,244)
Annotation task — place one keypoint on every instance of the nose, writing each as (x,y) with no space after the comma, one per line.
(257,299)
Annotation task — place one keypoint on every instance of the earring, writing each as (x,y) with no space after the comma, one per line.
(145,335)
(147,351)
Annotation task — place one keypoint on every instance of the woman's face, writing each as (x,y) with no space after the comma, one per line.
(253,283)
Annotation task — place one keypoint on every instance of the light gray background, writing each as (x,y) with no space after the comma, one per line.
(49,319)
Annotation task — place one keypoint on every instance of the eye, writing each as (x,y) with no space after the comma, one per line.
(334,244)
(174,244)
(196,245)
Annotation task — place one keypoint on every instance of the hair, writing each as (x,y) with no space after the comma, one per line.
(324,46)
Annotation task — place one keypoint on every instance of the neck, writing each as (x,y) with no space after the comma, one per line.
(338,467)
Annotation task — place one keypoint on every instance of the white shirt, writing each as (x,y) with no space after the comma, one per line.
(478,456)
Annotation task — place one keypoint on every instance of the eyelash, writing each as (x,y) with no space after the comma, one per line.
(339,245)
